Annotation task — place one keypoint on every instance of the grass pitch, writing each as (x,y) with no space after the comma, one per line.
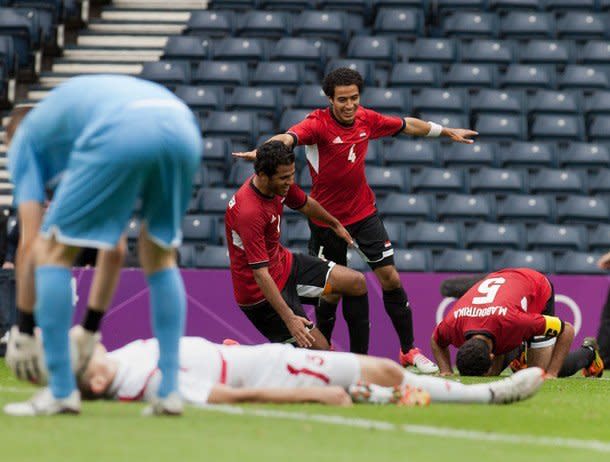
(569,420)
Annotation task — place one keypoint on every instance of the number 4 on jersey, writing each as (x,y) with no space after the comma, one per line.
(352,154)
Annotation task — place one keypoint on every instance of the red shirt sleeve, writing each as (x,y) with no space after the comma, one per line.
(296,197)
(440,335)
(382,125)
(307,131)
(250,225)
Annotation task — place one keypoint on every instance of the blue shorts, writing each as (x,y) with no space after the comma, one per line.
(145,153)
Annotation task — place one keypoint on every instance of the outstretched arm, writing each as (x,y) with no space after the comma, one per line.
(417,127)
(313,209)
(334,396)
(285,138)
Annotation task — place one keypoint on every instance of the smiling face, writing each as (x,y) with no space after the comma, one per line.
(345,102)
(281,181)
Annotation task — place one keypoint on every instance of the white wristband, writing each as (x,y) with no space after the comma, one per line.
(435,130)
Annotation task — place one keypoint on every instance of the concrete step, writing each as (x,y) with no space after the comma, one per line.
(95,68)
(146,16)
(121,41)
(110,55)
(137,28)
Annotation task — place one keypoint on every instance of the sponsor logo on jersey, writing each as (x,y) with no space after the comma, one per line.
(362,134)
(337,140)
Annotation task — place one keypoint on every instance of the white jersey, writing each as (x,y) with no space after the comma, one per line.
(204,364)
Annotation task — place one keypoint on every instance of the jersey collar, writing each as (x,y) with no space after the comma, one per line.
(258,191)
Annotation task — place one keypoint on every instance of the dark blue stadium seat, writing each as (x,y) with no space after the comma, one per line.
(281,74)
(304,181)
(528,154)
(212,257)
(479,154)
(599,183)
(201,98)
(500,127)
(407,207)
(214,201)
(527,25)
(581,25)
(470,24)
(599,238)
(446,119)
(432,50)
(545,236)
(522,208)
(528,76)
(440,100)
(377,4)
(221,73)
(436,236)
(250,50)
(298,232)
(43,32)
(563,5)
(555,181)
(199,229)
(599,128)
(359,7)
(288,5)
(404,23)
(216,151)
(578,263)
(470,5)
(595,52)
(330,25)
(416,153)
(554,102)
(500,101)
(488,51)
(413,260)
(587,155)
(310,97)
(598,102)
(385,179)
(363,66)
(465,261)
(545,51)
(465,208)
(211,23)
(24,33)
(439,180)
(301,50)
(509,5)
(232,4)
(238,125)
(374,154)
(240,172)
(495,236)
(186,256)
(292,117)
(497,180)
(470,75)
(8,57)
(557,127)
(186,47)
(168,73)
(583,210)
(582,77)
(262,100)
(264,24)
(397,232)
(539,261)
(386,100)
(379,49)
(414,75)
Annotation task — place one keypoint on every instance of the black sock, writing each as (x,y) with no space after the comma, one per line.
(397,306)
(92,319)
(326,314)
(356,314)
(577,360)
(25,322)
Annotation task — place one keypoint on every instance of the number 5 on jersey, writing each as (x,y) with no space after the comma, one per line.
(352,154)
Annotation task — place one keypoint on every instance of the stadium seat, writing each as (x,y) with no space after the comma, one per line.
(522,208)
(292,117)
(439,180)
(213,176)
(24,33)
(201,98)
(587,155)
(582,77)
(168,73)
(511,5)
(528,76)
(331,25)
(545,52)
(250,50)
(557,128)
(264,24)
(528,155)
(440,100)
(374,155)
(407,207)
(355,261)
(446,119)
(437,236)
(555,181)
(238,125)
(599,238)
(288,5)
(211,23)
(413,260)
(598,102)
(497,181)
(378,49)
(599,128)
(403,23)
(595,52)
(214,200)
(412,75)
(304,181)
(563,5)
(377,4)
(240,172)
(310,97)
(386,100)
(417,153)
(527,25)
(479,154)
(495,236)
(554,102)
(497,101)
(465,208)
(199,229)
(301,50)
(545,236)
(364,67)
(486,51)
(216,151)
(470,75)
(262,100)
(431,50)
(600,182)
(298,232)
(539,261)
(581,25)
(185,47)
(578,263)
(385,179)
(281,74)
(582,210)
(470,24)
(8,57)
(223,73)
(186,256)
(232,4)
(465,261)
(397,232)
(359,7)
(500,127)
(212,257)
(470,5)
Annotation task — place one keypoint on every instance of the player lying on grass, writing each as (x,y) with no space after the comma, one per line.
(498,313)
(277,373)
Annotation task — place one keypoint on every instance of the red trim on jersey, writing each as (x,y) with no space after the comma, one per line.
(223,369)
(294,371)
(140,394)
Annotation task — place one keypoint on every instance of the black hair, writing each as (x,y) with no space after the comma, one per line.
(270,155)
(473,357)
(341,77)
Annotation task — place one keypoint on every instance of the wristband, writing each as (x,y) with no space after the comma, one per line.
(435,130)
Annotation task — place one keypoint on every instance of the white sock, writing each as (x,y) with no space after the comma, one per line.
(378,394)
(448,391)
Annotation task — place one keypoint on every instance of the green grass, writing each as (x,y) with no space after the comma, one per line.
(574,408)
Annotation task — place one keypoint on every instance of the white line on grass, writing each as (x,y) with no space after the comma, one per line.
(445,432)
(15,390)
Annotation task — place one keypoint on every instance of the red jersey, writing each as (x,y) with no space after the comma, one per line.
(252,226)
(506,306)
(335,153)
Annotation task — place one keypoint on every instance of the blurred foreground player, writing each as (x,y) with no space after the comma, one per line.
(119,139)
(498,313)
(211,373)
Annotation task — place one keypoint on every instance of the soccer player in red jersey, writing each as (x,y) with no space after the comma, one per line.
(336,140)
(268,280)
(499,313)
